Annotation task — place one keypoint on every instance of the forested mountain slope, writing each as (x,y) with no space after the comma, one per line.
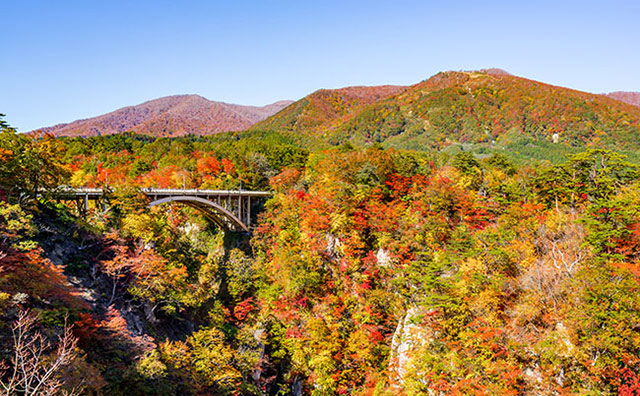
(171,116)
(627,97)
(326,108)
(465,107)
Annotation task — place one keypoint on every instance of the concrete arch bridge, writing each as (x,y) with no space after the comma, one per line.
(233,210)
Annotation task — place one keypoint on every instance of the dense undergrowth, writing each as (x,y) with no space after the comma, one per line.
(371,270)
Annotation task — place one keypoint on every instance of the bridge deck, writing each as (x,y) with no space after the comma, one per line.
(231,209)
(97,192)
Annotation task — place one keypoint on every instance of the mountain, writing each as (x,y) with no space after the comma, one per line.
(171,116)
(626,97)
(328,107)
(470,107)
(488,107)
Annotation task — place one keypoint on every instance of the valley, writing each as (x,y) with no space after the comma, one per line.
(476,233)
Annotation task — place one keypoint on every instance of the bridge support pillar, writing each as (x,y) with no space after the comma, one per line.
(248,211)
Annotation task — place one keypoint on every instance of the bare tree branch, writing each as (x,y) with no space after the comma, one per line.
(34,366)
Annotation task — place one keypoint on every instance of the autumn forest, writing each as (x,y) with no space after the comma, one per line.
(476,233)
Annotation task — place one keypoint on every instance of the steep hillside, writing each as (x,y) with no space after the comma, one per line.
(464,107)
(626,97)
(327,108)
(171,116)
(368,272)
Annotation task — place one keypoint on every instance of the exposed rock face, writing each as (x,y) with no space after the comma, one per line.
(191,231)
(563,335)
(411,334)
(259,335)
(533,375)
(334,246)
(383,258)
(297,387)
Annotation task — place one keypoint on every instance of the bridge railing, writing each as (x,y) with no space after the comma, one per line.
(198,192)
(65,190)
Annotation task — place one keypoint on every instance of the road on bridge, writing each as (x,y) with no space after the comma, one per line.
(230,209)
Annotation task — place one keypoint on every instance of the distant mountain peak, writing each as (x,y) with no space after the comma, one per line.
(632,98)
(495,71)
(173,115)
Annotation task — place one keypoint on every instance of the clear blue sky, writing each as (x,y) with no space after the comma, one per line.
(64,60)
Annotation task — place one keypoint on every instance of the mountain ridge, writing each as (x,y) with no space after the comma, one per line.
(450,107)
(630,97)
(466,107)
(173,115)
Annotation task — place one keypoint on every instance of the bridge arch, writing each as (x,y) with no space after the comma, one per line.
(214,212)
